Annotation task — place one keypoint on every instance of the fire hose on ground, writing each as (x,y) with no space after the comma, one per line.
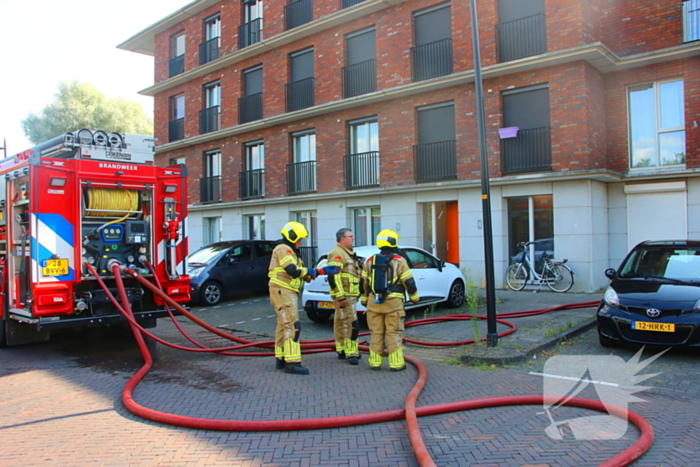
(410,413)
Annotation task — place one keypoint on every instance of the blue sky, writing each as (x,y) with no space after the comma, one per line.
(44,42)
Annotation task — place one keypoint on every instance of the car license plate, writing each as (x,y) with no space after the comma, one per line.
(55,267)
(647,326)
(326,305)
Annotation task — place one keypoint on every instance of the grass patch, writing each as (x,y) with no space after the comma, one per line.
(451,361)
(558,330)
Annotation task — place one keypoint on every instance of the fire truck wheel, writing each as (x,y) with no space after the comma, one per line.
(211,293)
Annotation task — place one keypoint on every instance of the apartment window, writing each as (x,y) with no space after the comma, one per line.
(176,126)
(531,218)
(657,124)
(366,225)
(209,49)
(298,12)
(528,110)
(252,179)
(177,160)
(254,226)
(436,151)
(250,32)
(522,30)
(432,54)
(300,91)
(209,117)
(362,164)
(360,74)
(210,186)
(301,173)
(250,106)
(176,64)
(212,230)
(691,20)
(309,245)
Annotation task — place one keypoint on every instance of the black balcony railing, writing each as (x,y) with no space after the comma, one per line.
(209,51)
(300,94)
(309,255)
(530,151)
(210,189)
(361,170)
(301,177)
(176,65)
(431,60)
(250,108)
(435,161)
(298,13)
(209,119)
(360,78)
(176,129)
(691,20)
(349,3)
(523,37)
(250,33)
(251,184)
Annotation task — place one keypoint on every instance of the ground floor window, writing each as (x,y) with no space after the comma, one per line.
(255,227)
(212,230)
(366,224)
(530,218)
(309,245)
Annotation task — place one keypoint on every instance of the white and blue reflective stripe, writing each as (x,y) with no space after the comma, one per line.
(52,237)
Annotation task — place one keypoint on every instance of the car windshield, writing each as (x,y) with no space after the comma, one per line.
(675,263)
(206,254)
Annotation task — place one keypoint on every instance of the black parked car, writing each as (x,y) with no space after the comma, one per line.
(229,268)
(654,296)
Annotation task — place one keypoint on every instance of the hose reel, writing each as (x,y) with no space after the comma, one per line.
(110,202)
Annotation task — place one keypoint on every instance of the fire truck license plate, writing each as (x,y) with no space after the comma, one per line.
(55,267)
(647,326)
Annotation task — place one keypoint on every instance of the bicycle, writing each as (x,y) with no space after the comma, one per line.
(555,273)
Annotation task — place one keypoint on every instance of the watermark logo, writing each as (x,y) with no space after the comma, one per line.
(614,381)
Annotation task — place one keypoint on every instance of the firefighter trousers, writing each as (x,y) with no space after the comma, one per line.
(287,346)
(346,327)
(386,329)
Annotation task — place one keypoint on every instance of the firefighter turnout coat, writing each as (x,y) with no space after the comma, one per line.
(345,286)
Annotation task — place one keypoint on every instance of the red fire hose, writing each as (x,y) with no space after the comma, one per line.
(410,413)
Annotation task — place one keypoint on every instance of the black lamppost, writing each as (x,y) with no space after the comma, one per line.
(491,332)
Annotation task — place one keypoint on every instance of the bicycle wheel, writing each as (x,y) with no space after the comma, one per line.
(517,276)
(559,277)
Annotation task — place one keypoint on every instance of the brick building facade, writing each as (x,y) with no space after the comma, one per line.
(363,113)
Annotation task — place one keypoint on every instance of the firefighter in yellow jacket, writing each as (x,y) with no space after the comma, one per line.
(345,290)
(386,278)
(286,273)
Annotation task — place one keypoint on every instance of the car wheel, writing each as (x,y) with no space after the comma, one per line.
(211,293)
(455,298)
(318,316)
(605,341)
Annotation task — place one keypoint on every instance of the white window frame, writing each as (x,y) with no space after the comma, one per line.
(367,235)
(211,230)
(254,227)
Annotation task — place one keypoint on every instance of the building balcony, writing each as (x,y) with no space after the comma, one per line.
(297,13)
(209,50)
(176,66)
(250,33)
(349,3)
(530,151)
(360,78)
(176,130)
(361,170)
(301,177)
(251,184)
(300,94)
(521,38)
(691,20)
(435,161)
(209,119)
(250,108)
(210,189)
(431,60)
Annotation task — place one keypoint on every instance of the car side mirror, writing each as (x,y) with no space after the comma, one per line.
(610,273)
(441,265)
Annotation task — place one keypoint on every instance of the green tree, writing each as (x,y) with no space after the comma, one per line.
(80,105)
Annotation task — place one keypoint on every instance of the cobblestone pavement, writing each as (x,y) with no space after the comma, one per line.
(60,404)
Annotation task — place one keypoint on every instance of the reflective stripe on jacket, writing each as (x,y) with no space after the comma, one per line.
(282,256)
(347,283)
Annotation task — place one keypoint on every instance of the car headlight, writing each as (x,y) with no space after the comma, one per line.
(195,272)
(696,307)
(610,298)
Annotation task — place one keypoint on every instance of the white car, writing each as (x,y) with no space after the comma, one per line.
(437,282)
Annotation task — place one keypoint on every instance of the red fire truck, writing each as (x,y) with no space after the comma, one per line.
(88,198)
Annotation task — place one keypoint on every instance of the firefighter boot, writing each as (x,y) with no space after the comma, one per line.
(375,361)
(279,364)
(295,369)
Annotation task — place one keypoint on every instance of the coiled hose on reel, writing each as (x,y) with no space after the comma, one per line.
(106,202)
